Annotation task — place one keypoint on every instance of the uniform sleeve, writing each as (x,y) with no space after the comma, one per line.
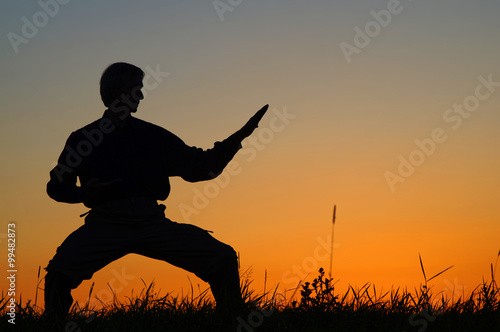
(62,185)
(195,164)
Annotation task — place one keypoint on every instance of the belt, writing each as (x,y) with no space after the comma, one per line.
(132,209)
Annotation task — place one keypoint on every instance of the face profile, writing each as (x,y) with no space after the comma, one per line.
(120,88)
(127,99)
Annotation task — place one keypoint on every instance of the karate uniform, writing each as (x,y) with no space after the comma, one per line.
(139,157)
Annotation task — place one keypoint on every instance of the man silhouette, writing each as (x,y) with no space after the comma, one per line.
(123,165)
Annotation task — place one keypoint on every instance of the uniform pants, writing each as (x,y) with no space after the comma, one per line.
(113,232)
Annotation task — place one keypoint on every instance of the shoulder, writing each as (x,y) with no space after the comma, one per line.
(94,129)
(154,129)
(103,125)
(139,123)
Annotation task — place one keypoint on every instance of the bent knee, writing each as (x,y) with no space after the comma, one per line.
(229,253)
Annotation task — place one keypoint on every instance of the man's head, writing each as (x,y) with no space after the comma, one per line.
(120,87)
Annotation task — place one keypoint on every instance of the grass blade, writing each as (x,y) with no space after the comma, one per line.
(440,273)
(422,266)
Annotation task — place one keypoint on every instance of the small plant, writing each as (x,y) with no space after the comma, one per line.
(319,294)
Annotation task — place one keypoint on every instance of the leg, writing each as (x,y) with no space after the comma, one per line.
(85,251)
(58,297)
(195,250)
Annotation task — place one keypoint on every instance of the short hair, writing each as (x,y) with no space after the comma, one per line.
(114,77)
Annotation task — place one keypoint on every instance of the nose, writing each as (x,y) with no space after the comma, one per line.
(137,94)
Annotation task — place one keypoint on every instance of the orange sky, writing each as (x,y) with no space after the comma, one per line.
(337,130)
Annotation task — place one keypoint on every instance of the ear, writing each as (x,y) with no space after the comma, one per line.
(116,94)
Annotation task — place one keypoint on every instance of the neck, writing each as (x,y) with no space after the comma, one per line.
(120,119)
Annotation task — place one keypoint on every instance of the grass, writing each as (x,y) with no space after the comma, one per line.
(313,306)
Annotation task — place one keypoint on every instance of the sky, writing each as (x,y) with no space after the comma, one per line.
(387,109)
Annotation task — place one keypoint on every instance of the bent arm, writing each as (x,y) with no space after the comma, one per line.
(62,185)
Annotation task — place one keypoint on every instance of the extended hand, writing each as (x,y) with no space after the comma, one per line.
(253,123)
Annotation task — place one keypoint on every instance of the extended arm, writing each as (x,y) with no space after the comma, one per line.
(198,165)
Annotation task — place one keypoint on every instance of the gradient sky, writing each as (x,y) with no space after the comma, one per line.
(353,126)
